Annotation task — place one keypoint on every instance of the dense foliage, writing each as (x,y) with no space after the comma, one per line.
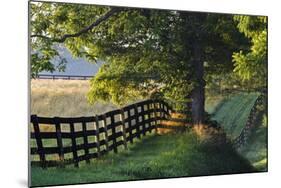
(148,52)
(251,64)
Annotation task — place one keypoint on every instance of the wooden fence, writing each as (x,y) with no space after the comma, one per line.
(63,77)
(84,138)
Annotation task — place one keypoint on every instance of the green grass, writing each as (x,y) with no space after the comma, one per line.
(256,149)
(233,113)
(163,156)
(154,156)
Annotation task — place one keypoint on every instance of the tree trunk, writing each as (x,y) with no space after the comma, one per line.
(198,93)
(197,106)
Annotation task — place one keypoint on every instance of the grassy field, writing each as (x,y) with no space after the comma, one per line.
(232,113)
(154,156)
(256,149)
(170,155)
(63,98)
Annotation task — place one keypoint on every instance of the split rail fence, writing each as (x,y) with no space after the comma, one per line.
(61,141)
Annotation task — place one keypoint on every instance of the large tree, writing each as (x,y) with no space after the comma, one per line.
(147,53)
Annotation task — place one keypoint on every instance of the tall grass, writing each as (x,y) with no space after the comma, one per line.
(63,98)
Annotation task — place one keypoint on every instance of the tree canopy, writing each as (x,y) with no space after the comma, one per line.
(149,52)
(251,65)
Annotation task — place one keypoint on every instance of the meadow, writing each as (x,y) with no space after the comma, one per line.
(232,111)
(154,156)
(64,98)
(256,149)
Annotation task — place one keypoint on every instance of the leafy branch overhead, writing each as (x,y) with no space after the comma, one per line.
(52,24)
(148,52)
(251,65)
(82,31)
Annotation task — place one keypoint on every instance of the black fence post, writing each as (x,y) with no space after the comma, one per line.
(41,152)
(149,116)
(122,117)
(74,148)
(59,141)
(86,145)
(155,116)
(97,135)
(112,121)
(130,126)
(105,132)
(143,120)
(137,121)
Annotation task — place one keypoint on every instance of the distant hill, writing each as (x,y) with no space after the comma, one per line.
(75,66)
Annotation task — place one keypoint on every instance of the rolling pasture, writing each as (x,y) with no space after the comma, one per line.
(64,98)
(153,156)
(190,90)
(232,113)
(164,156)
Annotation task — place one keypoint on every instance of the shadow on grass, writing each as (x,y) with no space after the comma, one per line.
(165,156)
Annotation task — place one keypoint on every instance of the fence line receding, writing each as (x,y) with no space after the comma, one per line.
(60,141)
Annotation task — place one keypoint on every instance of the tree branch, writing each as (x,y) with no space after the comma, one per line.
(84,30)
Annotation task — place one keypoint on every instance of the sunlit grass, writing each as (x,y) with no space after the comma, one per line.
(261,164)
(169,155)
(63,98)
(154,156)
(210,135)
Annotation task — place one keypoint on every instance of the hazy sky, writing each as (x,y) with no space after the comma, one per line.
(76,66)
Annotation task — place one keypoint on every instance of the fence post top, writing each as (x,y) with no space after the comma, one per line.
(34,118)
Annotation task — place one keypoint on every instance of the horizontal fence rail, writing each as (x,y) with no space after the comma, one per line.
(63,77)
(72,140)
